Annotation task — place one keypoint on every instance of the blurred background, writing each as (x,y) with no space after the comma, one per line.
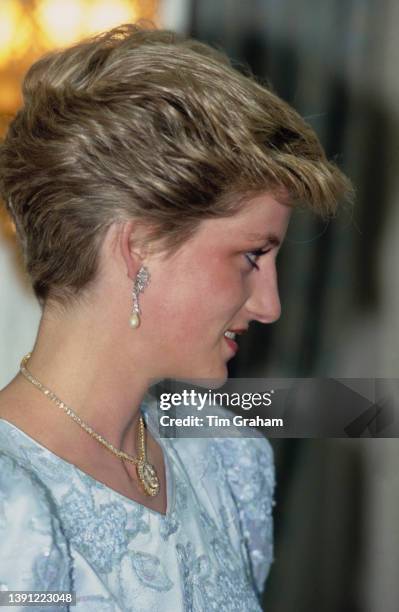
(335,61)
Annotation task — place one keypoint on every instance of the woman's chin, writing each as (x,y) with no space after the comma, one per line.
(209,379)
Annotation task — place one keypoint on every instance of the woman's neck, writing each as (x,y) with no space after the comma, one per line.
(90,373)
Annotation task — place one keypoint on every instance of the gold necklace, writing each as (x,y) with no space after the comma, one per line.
(146,472)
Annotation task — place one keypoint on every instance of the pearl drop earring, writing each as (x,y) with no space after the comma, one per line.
(140,283)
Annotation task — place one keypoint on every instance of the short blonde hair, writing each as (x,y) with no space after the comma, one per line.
(139,123)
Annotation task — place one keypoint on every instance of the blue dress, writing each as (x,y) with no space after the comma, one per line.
(60,529)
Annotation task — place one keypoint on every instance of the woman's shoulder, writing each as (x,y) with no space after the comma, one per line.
(247,471)
(34,552)
(13,411)
(234,472)
(240,458)
(17,481)
(20,484)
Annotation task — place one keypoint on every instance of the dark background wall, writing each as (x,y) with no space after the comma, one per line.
(333,60)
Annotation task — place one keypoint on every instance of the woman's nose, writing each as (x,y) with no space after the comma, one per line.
(264,302)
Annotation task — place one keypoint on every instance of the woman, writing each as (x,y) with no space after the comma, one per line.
(151,187)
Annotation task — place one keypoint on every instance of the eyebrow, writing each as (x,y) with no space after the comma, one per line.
(270,238)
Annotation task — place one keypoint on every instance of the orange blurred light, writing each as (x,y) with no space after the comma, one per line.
(15,31)
(61,22)
(29,28)
(102,15)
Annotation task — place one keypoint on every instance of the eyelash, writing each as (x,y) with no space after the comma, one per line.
(256,253)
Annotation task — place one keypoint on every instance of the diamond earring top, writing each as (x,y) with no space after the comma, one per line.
(141,282)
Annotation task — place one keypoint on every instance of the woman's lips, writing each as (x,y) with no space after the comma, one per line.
(232,344)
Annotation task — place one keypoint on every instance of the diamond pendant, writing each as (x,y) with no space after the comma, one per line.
(148,478)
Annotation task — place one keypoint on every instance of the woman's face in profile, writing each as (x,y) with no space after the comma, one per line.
(221,279)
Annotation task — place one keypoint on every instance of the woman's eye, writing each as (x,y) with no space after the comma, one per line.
(252,256)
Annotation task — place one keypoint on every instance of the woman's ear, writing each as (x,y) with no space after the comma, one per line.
(132,247)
